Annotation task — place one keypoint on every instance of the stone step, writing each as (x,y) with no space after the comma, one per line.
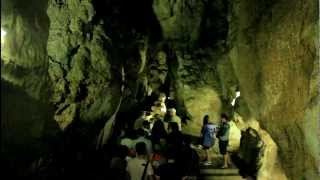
(216,166)
(219,172)
(220,178)
(214,173)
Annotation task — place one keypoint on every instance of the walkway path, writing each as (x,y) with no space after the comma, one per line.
(214,171)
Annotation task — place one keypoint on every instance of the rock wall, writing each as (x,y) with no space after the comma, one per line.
(273,52)
(27,121)
(80,64)
(195,57)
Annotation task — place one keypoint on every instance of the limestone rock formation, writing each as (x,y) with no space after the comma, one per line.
(180,20)
(79,63)
(193,64)
(273,53)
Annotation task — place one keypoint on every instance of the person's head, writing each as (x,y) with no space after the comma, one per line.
(224,118)
(169,154)
(205,119)
(141,133)
(172,112)
(131,134)
(146,124)
(162,97)
(141,148)
(157,116)
(158,124)
(143,114)
(157,148)
(122,151)
(186,140)
(158,127)
(157,104)
(173,127)
(148,113)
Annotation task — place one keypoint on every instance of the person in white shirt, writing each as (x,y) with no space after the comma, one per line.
(175,118)
(141,138)
(139,122)
(139,167)
(128,141)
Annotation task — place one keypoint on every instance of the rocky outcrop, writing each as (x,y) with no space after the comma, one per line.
(198,89)
(257,153)
(273,53)
(79,64)
(180,20)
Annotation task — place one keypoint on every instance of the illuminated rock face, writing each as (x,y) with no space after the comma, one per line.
(273,52)
(23,49)
(195,59)
(79,64)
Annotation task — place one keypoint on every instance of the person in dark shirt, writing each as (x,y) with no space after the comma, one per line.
(168,170)
(175,137)
(118,164)
(188,160)
(158,132)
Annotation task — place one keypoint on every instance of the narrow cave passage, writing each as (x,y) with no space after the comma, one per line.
(210,89)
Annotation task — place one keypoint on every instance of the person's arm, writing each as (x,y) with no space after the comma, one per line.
(127,167)
(203,130)
(150,172)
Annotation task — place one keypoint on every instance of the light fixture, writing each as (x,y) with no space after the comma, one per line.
(234,99)
(3,34)
(237,94)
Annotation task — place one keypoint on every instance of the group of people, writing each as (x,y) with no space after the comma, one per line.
(155,147)
(208,133)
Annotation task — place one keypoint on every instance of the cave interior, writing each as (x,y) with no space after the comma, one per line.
(76,74)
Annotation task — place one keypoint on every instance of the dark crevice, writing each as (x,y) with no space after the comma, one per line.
(214,24)
(128,20)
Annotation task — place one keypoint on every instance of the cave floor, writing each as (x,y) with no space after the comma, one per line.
(214,171)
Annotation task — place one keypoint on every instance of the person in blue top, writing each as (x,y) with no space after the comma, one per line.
(208,132)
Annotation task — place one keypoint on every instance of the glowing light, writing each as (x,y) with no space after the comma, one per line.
(237,94)
(234,100)
(3,34)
